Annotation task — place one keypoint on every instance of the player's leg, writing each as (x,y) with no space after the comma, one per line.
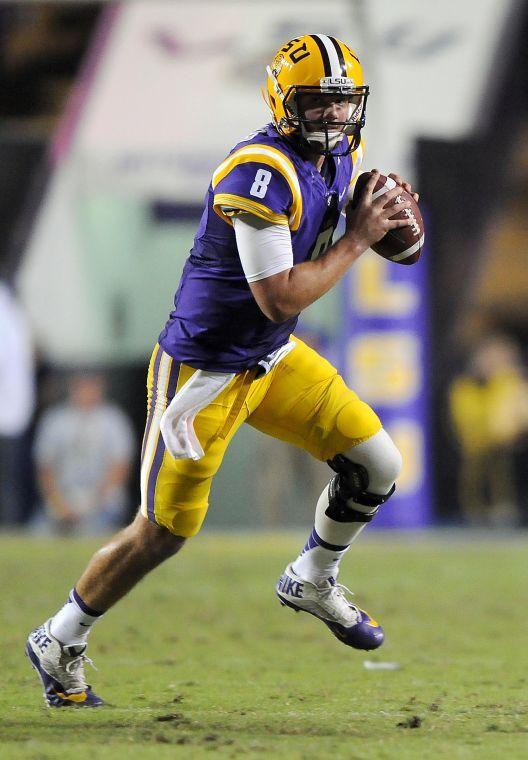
(111,573)
(57,647)
(309,405)
(174,503)
(364,480)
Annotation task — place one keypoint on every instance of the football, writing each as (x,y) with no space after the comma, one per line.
(403,245)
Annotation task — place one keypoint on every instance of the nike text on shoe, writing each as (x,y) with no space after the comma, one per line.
(61,670)
(327,601)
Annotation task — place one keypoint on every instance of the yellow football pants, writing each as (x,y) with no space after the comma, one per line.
(302,400)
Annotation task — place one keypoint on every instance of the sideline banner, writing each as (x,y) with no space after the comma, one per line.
(384,359)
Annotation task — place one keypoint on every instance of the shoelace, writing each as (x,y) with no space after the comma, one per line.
(75,669)
(338,592)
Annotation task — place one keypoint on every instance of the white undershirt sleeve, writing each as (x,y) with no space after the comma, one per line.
(264,249)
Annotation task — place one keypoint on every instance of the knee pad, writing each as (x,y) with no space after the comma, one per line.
(351,484)
(375,463)
(380,457)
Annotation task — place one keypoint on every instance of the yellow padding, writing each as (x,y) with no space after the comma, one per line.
(244,204)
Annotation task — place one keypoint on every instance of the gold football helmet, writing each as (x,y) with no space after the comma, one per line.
(322,66)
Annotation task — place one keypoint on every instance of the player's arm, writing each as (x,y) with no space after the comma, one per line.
(283,294)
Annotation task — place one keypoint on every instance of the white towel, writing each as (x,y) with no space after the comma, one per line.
(177,422)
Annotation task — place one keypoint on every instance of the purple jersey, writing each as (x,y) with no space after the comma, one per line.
(216,323)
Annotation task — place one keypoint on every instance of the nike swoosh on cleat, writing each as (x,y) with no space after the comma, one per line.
(73,697)
(85,625)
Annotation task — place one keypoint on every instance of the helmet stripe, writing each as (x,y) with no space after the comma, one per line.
(324,54)
(340,56)
(332,64)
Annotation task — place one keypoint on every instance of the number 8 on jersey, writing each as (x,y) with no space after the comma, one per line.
(259,188)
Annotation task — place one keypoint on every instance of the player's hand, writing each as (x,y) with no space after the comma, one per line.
(406,185)
(371,219)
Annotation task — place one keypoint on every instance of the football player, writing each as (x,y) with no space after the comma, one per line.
(262,253)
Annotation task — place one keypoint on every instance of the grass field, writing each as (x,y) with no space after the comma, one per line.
(202,661)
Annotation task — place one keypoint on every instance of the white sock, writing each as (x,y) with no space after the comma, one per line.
(330,539)
(328,543)
(73,622)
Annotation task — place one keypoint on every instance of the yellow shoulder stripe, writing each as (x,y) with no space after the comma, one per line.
(266,154)
(244,204)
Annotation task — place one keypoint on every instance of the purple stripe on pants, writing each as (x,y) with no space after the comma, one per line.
(160,447)
(157,361)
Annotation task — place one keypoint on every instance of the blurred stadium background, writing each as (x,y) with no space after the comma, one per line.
(112,117)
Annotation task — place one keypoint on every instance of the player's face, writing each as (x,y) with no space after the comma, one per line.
(318,108)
